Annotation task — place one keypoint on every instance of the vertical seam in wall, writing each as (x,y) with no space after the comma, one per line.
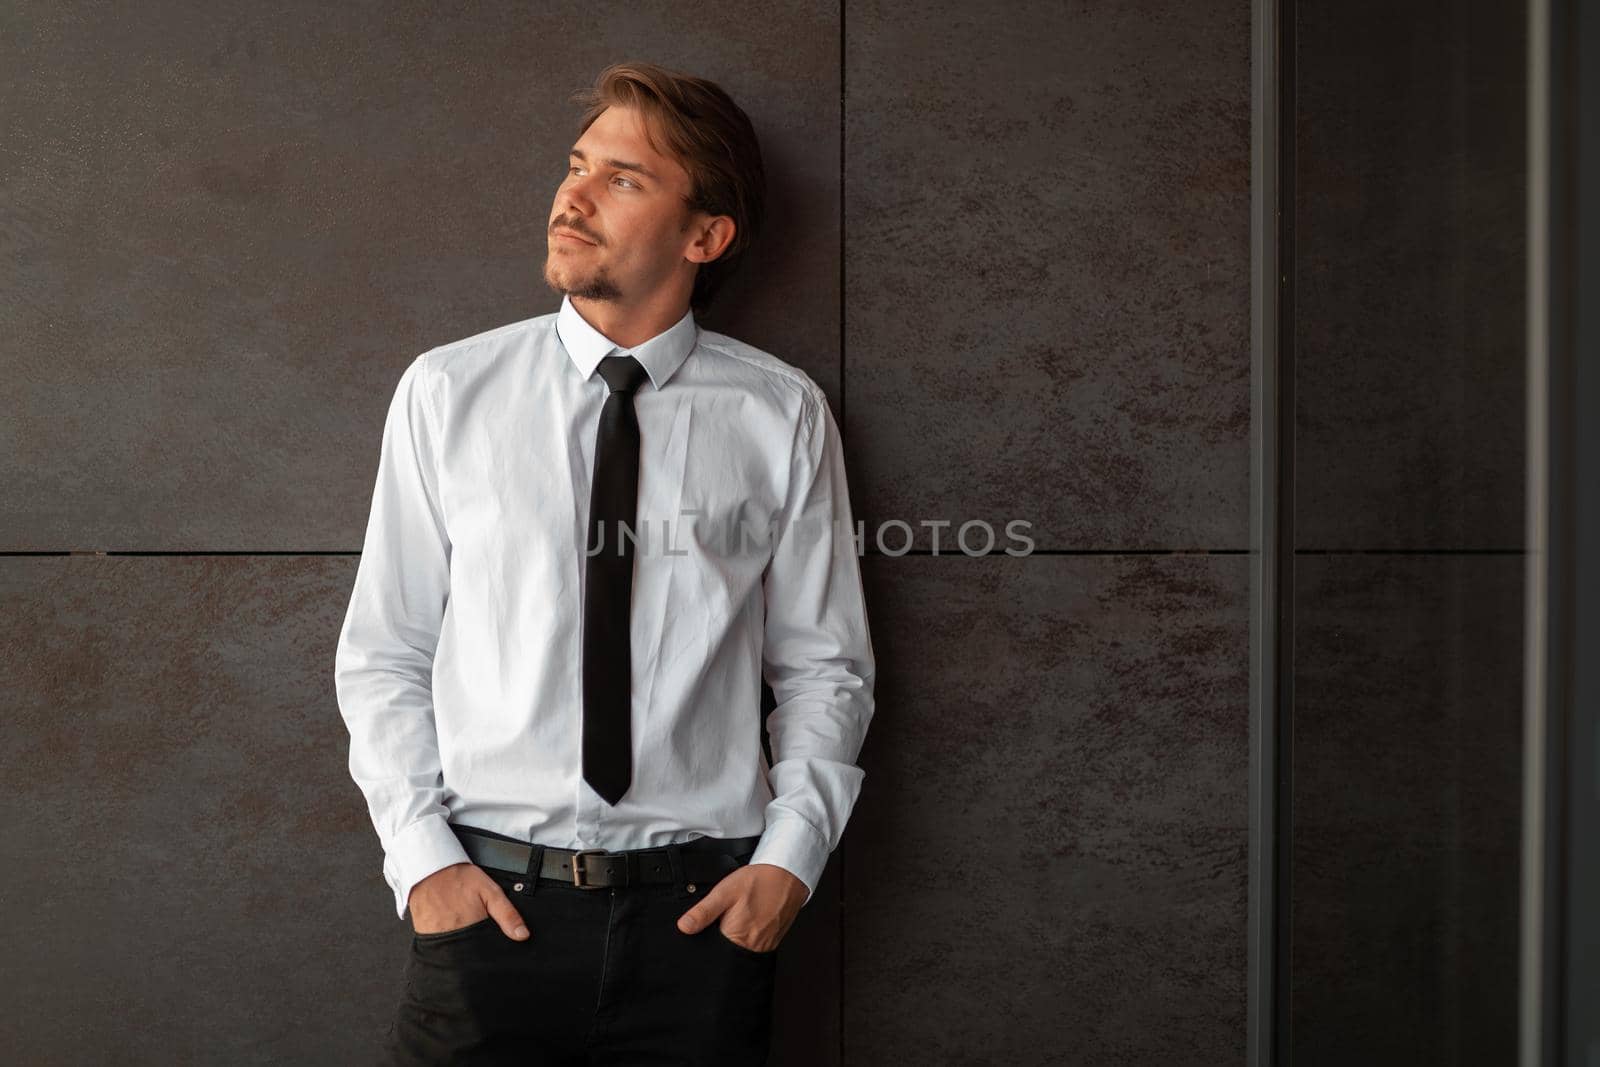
(1532,963)
(841,215)
(1270,542)
(840,934)
(1284,622)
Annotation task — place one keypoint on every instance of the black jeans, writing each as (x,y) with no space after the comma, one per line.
(605,978)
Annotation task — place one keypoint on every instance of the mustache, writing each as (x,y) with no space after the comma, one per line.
(579,230)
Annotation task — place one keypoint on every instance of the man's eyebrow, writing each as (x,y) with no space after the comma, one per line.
(619,164)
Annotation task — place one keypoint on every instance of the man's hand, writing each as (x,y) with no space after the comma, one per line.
(758,902)
(458,896)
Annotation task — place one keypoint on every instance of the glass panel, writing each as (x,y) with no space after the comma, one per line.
(1408,525)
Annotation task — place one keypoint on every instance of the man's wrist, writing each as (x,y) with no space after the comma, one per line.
(426,846)
(795,845)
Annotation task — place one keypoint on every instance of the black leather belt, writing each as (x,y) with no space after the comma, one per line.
(700,862)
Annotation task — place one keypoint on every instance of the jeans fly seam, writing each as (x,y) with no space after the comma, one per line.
(605,962)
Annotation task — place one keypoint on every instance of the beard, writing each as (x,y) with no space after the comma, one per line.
(586,283)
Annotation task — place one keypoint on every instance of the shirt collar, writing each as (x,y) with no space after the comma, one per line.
(661,355)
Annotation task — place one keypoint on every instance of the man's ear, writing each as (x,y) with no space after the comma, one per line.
(713,236)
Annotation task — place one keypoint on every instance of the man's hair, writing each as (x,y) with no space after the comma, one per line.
(710,137)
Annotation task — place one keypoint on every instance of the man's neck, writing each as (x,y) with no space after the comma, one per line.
(630,325)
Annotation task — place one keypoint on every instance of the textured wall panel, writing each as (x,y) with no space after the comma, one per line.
(1047,262)
(1048,865)
(192,878)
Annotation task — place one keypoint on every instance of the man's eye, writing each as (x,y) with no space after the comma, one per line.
(574,168)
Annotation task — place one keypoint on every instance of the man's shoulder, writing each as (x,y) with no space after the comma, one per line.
(496,337)
(742,357)
(484,355)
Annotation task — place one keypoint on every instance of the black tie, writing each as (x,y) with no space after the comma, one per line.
(607,658)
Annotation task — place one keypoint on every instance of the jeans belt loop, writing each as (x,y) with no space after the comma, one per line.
(675,864)
(535,865)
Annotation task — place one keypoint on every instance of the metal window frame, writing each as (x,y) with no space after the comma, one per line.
(1271,528)
(1559,968)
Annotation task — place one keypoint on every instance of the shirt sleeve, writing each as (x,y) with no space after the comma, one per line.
(817,657)
(383,666)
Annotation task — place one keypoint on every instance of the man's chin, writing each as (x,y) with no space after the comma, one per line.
(582,288)
(560,283)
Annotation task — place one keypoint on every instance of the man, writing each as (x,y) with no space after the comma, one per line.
(593,534)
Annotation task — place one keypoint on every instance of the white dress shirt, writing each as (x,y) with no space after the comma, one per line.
(458,665)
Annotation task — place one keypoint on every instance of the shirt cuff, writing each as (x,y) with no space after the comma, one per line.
(425,846)
(795,845)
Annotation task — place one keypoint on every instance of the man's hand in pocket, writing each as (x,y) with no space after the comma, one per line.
(459,895)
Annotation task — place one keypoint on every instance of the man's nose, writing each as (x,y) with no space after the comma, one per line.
(574,200)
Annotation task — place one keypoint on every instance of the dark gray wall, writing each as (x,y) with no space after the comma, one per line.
(1047,317)
(228,227)
(1408,508)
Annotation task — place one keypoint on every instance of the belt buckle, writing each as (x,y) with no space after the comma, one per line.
(578,870)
